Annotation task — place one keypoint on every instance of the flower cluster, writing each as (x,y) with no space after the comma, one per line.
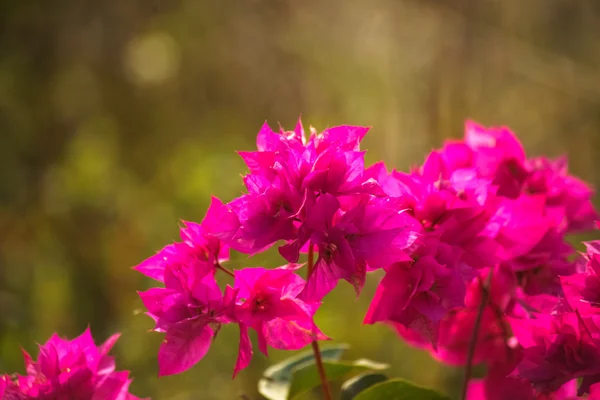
(75,369)
(490,278)
(315,195)
(472,241)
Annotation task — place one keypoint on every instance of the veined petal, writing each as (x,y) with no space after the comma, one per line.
(184,345)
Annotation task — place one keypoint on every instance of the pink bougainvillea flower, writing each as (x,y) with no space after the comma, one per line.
(594,392)
(496,154)
(491,147)
(569,199)
(371,235)
(463,228)
(535,249)
(519,225)
(495,344)
(338,173)
(190,311)
(75,369)
(453,211)
(198,250)
(557,349)
(441,164)
(190,308)
(255,221)
(284,171)
(4,382)
(539,270)
(419,294)
(582,290)
(477,210)
(268,303)
(329,162)
(338,167)
(496,386)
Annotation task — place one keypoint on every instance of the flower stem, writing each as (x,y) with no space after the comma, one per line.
(311,259)
(224,269)
(486,288)
(315,343)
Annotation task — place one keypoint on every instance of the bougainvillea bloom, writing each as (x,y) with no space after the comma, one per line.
(268,303)
(198,251)
(496,386)
(285,171)
(582,290)
(190,311)
(418,295)
(371,235)
(3,384)
(557,349)
(70,369)
(472,243)
(569,199)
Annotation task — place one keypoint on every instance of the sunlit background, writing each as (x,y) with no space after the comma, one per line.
(119,118)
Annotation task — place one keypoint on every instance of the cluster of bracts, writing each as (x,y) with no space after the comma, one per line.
(471,241)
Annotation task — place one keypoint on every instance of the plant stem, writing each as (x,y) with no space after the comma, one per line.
(224,269)
(315,343)
(485,295)
(311,260)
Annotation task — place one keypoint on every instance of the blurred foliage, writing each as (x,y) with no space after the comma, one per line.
(120,118)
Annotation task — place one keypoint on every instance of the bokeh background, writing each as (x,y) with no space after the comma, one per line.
(120,118)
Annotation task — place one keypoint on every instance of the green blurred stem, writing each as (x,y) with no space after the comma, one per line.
(315,343)
(222,268)
(485,295)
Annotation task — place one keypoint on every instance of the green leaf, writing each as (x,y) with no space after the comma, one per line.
(307,376)
(354,386)
(399,389)
(275,383)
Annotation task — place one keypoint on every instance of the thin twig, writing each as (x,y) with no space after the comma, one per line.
(315,343)
(224,269)
(486,289)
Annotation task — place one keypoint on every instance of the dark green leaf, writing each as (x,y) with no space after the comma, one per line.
(399,389)
(275,383)
(354,386)
(307,376)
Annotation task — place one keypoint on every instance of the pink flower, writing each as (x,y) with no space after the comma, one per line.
(329,162)
(419,294)
(4,382)
(582,290)
(491,147)
(557,349)
(496,386)
(594,392)
(286,170)
(569,199)
(76,369)
(495,344)
(268,303)
(476,208)
(255,221)
(534,248)
(371,235)
(496,154)
(190,308)
(190,311)
(198,251)
(454,211)
(539,270)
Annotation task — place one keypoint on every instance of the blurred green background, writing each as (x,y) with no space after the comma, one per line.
(118,118)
